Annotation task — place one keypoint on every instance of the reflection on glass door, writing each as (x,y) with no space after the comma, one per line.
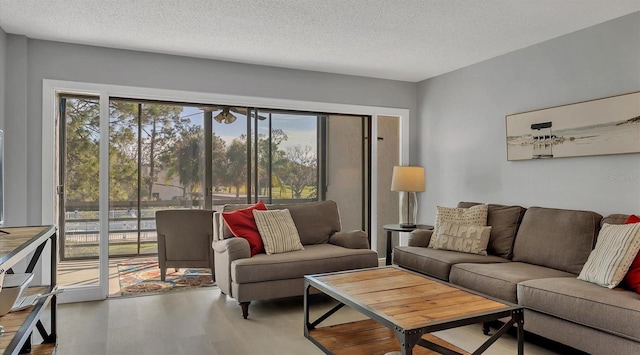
(156,162)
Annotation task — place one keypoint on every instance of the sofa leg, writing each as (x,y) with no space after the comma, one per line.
(245,309)
(485,328)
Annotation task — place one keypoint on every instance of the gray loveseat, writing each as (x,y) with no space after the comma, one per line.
(534,258)
(261,277)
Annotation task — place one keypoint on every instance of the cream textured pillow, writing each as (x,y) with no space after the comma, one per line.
(463,238)
(277,231)
(617,246)
(475,215)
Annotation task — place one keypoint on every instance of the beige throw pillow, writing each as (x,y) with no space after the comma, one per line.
(463,238)
(476,216)
(615,250)
(277,231)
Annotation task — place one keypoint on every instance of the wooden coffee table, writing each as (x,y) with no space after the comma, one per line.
(403,307)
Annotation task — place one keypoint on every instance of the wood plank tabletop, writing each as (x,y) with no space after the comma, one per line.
(367,337)
(409,300)
(17,238)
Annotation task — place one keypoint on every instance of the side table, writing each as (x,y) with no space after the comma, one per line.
(390,228)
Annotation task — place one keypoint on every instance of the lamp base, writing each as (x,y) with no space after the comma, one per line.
(409,209)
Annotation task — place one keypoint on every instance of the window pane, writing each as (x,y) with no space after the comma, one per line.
(156,162)
(294,156)
(123,177)
(229,155)
(82,168)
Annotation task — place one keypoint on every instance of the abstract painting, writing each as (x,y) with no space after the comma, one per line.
(609,125)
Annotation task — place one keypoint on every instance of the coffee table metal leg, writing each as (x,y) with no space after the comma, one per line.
(312,325)
(306,308)
(519,318)
(437,348)
(407,339)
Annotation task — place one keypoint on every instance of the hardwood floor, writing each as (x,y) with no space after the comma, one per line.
(85,272)
(207,322)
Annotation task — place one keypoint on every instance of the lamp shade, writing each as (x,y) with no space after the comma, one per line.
(408,178)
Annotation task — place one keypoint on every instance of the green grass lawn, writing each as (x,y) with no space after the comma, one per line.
(115,249)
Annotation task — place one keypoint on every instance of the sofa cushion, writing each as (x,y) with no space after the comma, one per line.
(613,311)
(556,238)
(436,262)
(475,215)
(615,250)
(315,221)
(500,280)
(277,230)
(313,259)
(504,222)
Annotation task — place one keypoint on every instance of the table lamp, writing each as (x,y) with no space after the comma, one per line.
(408,180)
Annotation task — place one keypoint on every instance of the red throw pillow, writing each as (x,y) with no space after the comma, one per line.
(242,224)
(632,219)
(632,279)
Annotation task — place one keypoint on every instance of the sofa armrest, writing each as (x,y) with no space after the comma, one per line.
(236,248)
(226,251)
(420,238)
(217,226)
(353,240)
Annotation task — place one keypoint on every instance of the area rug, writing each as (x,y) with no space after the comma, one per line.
(138,277)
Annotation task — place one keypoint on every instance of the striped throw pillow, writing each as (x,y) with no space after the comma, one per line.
(615,250)
(277,230)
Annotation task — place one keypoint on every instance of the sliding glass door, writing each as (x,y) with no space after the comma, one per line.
(78,188)
(156,161)
(169,155)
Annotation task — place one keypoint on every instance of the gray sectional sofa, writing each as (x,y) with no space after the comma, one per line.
(535,256)
(261,277)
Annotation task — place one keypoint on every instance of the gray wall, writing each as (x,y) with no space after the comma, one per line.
(30,61)
(462,125)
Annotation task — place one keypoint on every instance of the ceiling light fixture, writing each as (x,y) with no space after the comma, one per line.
(225,116)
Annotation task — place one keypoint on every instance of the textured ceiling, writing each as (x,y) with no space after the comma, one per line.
(409,40)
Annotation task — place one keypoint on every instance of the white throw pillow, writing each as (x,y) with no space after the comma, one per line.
(277,231)
(475,215)
(463,238)
(609,261)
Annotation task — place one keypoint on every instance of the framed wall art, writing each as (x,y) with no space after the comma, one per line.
(604,126)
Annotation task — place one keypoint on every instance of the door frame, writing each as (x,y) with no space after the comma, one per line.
(50,88)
